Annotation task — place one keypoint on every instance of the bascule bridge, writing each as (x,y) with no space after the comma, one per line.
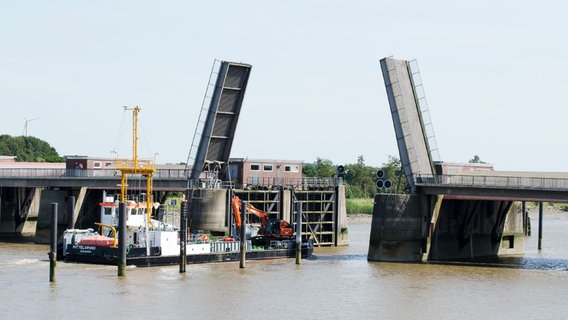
(213,177)
(452,211)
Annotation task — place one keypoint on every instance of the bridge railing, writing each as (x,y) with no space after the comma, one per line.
(532,183)
(268,183)
(177,174)
(306,182)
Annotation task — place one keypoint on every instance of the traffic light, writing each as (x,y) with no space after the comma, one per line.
(383,183)
(341,172)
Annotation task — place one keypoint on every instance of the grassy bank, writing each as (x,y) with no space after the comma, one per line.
(359,205)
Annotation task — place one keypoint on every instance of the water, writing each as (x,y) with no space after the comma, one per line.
(338,283)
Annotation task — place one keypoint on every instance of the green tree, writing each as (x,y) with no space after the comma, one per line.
(322,168)
(28,149)
(309,170)
(393,172)
(325,168)
(475,159)
(360,180)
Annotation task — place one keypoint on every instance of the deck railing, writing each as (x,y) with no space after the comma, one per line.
(306,181)
(506,182)
(166,174)
(177,174)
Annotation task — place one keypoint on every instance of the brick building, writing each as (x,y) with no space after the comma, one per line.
(250,173)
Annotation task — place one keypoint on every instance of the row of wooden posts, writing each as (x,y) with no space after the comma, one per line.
(121,263)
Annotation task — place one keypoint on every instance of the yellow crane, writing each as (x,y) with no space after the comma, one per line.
(135,166)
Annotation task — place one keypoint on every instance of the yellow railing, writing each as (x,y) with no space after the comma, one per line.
(113,229)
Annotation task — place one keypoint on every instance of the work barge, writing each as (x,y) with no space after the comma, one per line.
(209,181)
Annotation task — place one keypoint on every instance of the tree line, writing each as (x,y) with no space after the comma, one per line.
(359,179)
(28,149)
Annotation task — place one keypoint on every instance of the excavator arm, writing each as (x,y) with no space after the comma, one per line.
(282,229)
(236,203)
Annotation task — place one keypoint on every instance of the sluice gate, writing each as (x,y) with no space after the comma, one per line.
(324,216)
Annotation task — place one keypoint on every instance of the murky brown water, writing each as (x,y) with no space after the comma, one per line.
(338,283)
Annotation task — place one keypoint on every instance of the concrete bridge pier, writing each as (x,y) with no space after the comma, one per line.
(469,229)
(25,211)
(399,228)
(413,228)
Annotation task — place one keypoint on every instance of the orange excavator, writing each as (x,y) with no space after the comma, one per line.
(271,228)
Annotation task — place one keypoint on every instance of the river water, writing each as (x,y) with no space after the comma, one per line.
(339,283)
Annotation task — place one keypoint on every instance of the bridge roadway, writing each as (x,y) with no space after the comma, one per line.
(163,180)
(497,185)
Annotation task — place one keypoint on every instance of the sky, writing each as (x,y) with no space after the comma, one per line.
(495,75)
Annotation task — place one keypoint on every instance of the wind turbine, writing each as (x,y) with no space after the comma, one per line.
(26,125)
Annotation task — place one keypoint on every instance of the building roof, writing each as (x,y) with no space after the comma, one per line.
(8,158)
(31,165)
(247,160)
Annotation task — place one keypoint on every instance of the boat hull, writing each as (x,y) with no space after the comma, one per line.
(138,257)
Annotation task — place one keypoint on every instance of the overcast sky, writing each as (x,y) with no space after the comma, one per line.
(495,75)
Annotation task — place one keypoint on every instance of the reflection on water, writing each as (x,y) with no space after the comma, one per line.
(339,257)
(512,262)
(337,283)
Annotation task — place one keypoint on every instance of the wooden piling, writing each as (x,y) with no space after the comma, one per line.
(243,235)
(540,212)
(122,239)
(298,232)
(71,213)
(525,218)
(183,237)
(53,244)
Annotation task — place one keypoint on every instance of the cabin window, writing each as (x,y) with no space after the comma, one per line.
(107,211)
(267,167)
(97,164)
(254,167)
(291,168)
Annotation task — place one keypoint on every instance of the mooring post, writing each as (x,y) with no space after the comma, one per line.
(540,212)
(243,235)
(71,213)
(122,239)
(183,237)
(53,243)
(525,218)
(298,232)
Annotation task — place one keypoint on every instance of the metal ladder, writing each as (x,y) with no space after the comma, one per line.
(424,111)
(202,117)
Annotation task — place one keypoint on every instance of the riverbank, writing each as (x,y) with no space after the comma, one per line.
(359,218)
